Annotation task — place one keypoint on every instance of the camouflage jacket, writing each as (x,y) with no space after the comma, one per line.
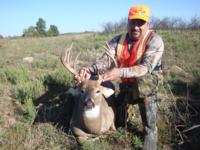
(151,59)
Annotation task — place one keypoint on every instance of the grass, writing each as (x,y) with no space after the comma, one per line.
(35,109)
(39,136)
(180,47)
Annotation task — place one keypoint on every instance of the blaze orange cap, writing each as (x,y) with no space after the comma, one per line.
(139,12)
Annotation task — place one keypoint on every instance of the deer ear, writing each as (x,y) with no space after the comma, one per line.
(107,92)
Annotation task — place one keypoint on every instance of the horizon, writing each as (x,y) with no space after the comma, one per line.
(81,16)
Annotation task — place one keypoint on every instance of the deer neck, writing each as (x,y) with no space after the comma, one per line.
(92,113)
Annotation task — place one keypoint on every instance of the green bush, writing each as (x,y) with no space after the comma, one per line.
(45,63)
(17,75)
(28,90)
(137,142)
(57,81)
(196,74)
(30,111)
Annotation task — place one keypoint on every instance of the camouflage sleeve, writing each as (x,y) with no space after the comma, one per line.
(151,59)
(104,63)
(154,52)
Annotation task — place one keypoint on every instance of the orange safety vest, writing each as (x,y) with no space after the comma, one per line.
(125,59)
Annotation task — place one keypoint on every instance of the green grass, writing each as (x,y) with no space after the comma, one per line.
(39,136)
(182,49)
(41,109)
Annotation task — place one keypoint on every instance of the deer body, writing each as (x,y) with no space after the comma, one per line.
(93,114)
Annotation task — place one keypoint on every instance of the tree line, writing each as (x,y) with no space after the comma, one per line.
(40,30)
(165,23)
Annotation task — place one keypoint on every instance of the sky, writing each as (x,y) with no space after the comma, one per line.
(83,15)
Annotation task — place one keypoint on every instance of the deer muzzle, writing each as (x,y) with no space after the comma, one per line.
(89,104)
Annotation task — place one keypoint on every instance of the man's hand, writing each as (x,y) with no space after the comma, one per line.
(112,74)
(83,74)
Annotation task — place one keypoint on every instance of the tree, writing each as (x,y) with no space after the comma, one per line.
(40,30)
(115,27)
(30,32)
(41,26)
(194,23)
(53,31)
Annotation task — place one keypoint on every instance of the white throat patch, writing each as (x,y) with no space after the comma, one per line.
(92,113)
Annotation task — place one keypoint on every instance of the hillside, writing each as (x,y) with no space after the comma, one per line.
(35,108)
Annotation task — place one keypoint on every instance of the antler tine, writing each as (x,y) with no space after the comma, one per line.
(68,54)
(76,59)
(65,59)
(107,45)
(107,51)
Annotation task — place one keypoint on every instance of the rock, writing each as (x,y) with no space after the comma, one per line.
(28,59)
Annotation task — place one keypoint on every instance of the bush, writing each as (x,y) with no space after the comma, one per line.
(40,30)
(28,90)
(57,82)
(53,31)
(17,75)
(30,111)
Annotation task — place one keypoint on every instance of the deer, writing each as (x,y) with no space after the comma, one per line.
(93,113)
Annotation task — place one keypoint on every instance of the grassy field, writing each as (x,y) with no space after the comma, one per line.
(35,108)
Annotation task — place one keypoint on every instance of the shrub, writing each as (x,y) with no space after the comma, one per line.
(137,142)
(44,63)
(17,75)
(28,90)
(30,111)
(57,81)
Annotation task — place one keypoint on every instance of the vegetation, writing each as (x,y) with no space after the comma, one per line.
(53,31)
(40,30)
(35,109)
(165,23)
(41,26)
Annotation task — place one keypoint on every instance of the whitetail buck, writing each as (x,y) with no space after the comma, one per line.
(93,113)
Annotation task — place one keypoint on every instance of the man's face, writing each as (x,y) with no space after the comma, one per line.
(136,27)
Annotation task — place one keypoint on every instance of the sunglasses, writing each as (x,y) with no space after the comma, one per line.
(136,22)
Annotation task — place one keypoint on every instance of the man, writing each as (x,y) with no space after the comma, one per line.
(138,53)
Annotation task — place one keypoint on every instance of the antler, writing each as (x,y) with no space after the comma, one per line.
(65,59)
(108,52)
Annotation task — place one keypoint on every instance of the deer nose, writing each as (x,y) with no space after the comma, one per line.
(88,103)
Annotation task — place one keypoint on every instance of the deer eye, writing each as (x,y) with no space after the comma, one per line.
(98,91)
